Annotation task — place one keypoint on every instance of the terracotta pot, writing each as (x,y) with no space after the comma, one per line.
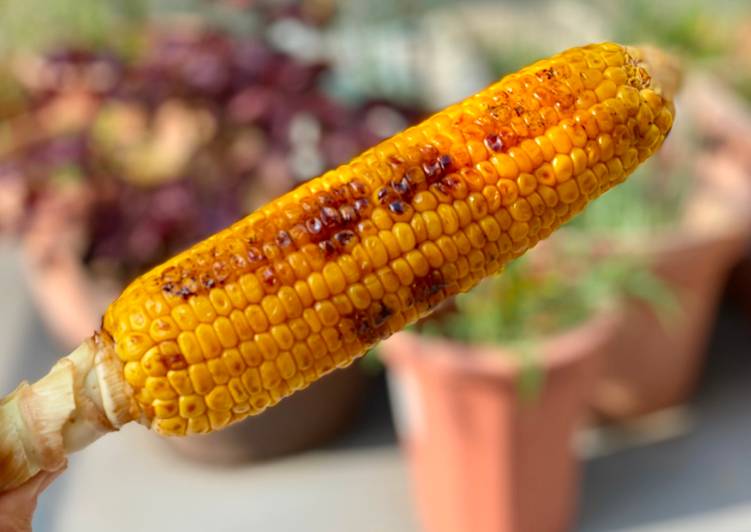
(71,302)
(651,364)
(483,457)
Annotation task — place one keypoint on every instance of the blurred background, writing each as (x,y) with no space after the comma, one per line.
(129,130)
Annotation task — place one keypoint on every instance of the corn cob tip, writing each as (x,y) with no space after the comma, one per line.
(665,68)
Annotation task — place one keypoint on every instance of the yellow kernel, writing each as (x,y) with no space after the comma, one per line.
(198,425)
(152,363)
(327,313)
(236,295)
(220,301)
(286,365)
(615,74)
(527,184)
(402,270)
(342,303)
(418,263)
(266,344)
(299,264)
(376,251)
(225,332)
(303,357)
(274,309)
(219,419)
(251,379)
(208,341)
(192,406)
(418,228)
(303,292)
(449,219)
(184,317)
(251,287)
(270,375)
(138,319)
(180,381)
(334,277)
(159,388)
(132,346)
(134,374)
(522,160)
(237,391)
(448,248)
(521,210)
(568,191)
(174,426)
(433,224)
(587,182)
(200,378)
(475,235)
(404,236)
(388,279)
(381,219)
(283,336)
(202,309)
(318,287)
(579,160)
(349,268)
(311,318)
(374,287)
(218,369)
(519,230)
(359,296)
(424,201)
(563,167)
(505,166)
(491,229)
(561,142)
(432,254)
(299,328)
(390,242)
(549,195)
(234,362)
(256,318)
(190,348)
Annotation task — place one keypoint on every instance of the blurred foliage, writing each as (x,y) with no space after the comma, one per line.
(535,299)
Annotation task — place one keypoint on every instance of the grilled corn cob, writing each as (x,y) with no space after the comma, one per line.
(310,281)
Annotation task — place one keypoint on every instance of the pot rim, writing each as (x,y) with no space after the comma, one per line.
(496,361)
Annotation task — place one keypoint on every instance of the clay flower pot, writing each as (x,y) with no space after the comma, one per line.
(483,457)
(650,363)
